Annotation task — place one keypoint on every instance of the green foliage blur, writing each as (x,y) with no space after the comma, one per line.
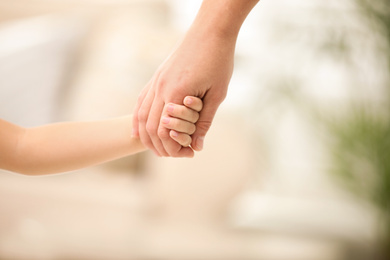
(360,147)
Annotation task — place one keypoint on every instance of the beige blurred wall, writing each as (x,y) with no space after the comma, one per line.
(259,190)
(109,210)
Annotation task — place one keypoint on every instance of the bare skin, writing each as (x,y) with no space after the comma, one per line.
(68,146)
(201,66)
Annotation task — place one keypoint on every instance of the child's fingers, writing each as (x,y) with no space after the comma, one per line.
(181,119)
(194,103)
(178,125)
(182,112)
(183,139)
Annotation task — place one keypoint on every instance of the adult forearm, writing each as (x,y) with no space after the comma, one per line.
(73,145)
(223,18)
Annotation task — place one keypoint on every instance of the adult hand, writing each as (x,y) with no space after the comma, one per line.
(200,67)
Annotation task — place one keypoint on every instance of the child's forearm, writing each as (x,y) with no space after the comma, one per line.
(68,146)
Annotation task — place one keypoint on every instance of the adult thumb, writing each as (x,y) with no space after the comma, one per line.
(203,125)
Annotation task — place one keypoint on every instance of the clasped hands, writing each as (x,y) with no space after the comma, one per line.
(199,67)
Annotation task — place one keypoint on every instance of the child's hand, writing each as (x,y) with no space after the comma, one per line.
(181,119)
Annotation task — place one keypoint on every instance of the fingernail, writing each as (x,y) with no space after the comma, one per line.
(199,143)
(174,133)
(188,101)
(170,108)
(165,120)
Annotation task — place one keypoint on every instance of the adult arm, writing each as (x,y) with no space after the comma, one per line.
(200,66)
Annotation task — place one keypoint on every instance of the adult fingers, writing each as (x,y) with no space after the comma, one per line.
(152,126)
(141,97)
(171,147)
(143,115)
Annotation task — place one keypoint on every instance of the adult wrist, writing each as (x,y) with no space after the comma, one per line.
(223,18)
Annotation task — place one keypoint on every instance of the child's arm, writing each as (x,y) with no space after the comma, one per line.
(65,146)
(68,146)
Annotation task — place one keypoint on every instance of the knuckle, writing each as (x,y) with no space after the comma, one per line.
(151,128)
(141,96)
(162,133)
(142,116)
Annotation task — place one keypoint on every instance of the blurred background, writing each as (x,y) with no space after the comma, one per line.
(296,165)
